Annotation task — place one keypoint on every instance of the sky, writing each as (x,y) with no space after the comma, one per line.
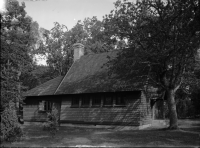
(66,12)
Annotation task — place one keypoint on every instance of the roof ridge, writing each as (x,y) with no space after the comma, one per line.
(63,78)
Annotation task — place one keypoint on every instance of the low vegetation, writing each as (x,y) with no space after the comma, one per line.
(52,125)
(10,128)
(188,135)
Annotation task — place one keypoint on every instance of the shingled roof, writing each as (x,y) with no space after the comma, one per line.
(47,88)
(90,74)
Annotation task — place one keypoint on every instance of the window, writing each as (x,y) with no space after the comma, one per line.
(96,101)
(108,101)
(85,102)
(75,102)
(45,106)
(120,101)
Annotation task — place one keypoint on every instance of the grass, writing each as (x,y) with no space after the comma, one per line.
(189,135)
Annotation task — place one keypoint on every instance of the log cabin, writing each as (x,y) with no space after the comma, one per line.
(87,94)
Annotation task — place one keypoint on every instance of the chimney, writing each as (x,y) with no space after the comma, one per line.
(78,51)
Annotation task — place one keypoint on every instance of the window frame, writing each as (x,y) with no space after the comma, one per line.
(96,104)
(75,102)
(120,104)
(83,103)
(112,101)
(45,106)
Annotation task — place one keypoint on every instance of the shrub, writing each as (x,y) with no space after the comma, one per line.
(10,128)
(52,123)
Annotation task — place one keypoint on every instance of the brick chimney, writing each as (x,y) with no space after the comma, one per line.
(78,51)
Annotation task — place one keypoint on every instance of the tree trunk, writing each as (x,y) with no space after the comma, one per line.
(162,114)
(172,109)
(153,112)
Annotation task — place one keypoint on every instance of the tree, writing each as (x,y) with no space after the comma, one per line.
(97,41)
(57,43)
(16,40)
(91,34)
(163,37)
(55,49)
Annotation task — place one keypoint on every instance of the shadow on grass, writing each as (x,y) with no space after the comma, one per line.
(72,136)
(196,130)
(196,124)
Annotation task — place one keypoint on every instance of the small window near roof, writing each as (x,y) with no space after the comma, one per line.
(75,102)
(96,101)
(120,101)
(85,102)
(108,101)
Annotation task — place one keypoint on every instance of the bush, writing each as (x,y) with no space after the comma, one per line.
(185,108)
(52,123)
(10,128)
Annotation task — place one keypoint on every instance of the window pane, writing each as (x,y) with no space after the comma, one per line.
(75,101)
(108,101)
(85,101)
(45,106)
(120,101)
(41,106)
(49,105)
(96,101)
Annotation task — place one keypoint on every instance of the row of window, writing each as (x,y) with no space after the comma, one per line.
(86,102)
(108,101)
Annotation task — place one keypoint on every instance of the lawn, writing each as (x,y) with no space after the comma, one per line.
(188,135)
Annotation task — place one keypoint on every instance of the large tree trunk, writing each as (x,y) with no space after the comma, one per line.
(172,109)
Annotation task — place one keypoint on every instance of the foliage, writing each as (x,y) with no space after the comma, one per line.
(52,122)
(196,101)
(58,42)
(10,128)
(90,33)
(185,107)
(96,41)
(39,74)
(56,49)
(16,40)
(164,36)
(188,98)
(29,80)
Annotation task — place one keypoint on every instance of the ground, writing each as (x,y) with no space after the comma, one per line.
(157,135)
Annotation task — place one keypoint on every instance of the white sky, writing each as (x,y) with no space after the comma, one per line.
(2,5)
(66,12)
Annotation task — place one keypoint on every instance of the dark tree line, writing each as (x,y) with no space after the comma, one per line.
(17,42)
(165,35)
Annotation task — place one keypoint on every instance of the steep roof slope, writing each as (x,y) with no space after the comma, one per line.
(89,74)
(47,88)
